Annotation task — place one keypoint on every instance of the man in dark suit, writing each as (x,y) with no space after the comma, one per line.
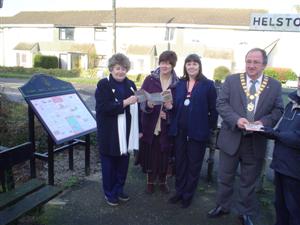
(245,99)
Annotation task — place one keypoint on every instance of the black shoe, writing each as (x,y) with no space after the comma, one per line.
(111,201)
(185,203)
(216,212)
(123,197)
(245,220)
(164,188)
(174,199)
(150,188)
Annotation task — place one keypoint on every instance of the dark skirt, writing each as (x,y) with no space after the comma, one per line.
(152,158)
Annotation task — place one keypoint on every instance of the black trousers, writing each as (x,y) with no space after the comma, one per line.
(287,200)
(114,173)
(189,156)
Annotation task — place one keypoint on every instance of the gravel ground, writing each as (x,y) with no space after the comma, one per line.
(62,174)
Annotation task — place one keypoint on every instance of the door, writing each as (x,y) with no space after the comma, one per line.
(63,61)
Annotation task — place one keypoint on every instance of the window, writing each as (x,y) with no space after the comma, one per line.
(169,36)
(101,61)
(23,59)
(141,64)
(132,67)
(100,33)
(66,33)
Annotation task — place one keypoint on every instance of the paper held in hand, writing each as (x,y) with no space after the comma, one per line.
(156,98)
(253,127)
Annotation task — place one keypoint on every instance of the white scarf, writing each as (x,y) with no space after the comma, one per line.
(134,130)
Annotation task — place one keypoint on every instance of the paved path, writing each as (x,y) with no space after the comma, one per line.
(84,205)
(10,86)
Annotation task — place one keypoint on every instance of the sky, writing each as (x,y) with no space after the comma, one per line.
(11,7)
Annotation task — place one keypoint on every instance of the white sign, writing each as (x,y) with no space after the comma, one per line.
(65,116)
(275,22)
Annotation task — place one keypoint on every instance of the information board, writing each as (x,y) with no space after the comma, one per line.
(65,116)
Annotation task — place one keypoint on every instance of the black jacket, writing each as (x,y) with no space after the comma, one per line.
(109,104)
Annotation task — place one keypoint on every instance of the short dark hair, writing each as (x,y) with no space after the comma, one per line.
(168,56)
(263,52)
(192,58)
(119,59)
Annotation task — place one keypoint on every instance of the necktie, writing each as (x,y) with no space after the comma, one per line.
(251,101)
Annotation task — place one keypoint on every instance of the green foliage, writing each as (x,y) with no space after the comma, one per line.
(89,73)
(137,79)
(45,61)
(72,181)
(281,74)
(19,72)
(220,73)
(14,125)
(13,130)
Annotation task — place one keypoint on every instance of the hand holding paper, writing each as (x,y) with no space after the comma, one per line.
(156,98)
(253,127)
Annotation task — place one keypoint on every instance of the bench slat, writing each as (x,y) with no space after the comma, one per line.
(31,201)
(11,197)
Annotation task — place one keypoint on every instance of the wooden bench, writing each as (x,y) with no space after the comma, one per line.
(27,196)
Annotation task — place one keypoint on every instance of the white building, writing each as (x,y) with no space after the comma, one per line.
(84,38)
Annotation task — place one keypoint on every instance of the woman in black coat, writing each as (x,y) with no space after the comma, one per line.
(117,127)
(193,117)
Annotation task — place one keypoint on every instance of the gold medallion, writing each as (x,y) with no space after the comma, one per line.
(244,86)
(250,107)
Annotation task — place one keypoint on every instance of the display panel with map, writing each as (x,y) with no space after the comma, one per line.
(65,116)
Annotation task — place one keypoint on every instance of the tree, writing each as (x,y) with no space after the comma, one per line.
(220,73)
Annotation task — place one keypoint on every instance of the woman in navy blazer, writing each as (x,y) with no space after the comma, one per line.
(193,118)
(114,95)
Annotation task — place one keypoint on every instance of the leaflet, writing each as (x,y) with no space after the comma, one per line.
(156,98)
(253,127)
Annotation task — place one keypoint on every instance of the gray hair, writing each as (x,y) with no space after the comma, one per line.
(119,59)
(263,52)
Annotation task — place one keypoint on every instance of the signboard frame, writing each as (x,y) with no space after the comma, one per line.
(43,86)
(44,121)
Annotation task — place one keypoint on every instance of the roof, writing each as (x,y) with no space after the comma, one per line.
(66,47)
(218,53)
(196,16)
(56,46)
(25,46)
(57,18)
(141,49)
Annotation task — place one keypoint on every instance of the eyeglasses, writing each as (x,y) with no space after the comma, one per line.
(253,62)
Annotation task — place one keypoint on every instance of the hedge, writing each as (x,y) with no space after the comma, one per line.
(281,74)
(220,73)
(30,71)
(45,61)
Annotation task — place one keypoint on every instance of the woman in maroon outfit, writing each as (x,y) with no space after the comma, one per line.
(156,145)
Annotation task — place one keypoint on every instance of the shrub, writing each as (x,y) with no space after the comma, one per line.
(45,61)
(54,72)
(220,73)
(281,74)
(89,73)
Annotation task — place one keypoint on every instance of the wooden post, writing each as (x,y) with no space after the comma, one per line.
(71,156)
(87,154)
(50,161)
(32,140)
